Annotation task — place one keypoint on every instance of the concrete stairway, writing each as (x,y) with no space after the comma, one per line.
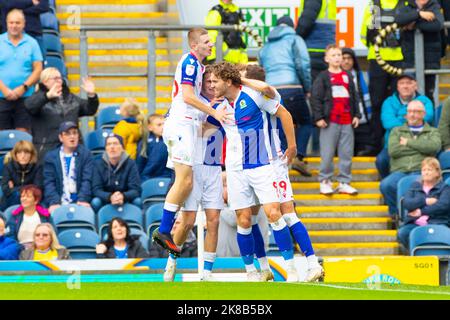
(121,51)
(342,224)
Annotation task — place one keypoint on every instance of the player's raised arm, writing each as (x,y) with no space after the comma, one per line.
(260,86)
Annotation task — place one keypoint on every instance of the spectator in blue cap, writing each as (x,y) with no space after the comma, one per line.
(68,170)
(115,176)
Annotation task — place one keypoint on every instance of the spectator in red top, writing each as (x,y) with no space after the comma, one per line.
(334,102)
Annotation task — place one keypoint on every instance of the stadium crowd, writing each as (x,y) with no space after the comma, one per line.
(379,115)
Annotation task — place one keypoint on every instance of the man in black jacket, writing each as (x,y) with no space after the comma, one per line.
(426,16)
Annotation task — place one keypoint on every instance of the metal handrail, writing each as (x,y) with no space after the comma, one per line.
(151,57)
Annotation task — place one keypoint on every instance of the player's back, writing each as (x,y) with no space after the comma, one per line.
(189,72)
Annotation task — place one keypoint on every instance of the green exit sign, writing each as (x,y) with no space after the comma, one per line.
(262,19)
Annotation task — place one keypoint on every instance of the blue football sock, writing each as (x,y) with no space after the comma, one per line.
(302,237)
(283,239)
(168,218)
(246,245)
(259,241)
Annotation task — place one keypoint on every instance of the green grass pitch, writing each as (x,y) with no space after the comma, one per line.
(221,291)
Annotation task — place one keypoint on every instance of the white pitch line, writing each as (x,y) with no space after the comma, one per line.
(385,290)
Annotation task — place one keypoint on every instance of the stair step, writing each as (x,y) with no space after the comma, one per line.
(74,81)
(337,199)
(359,175)
(368,223)
(120,18)
(130,67)
(132,7)
(117,92)
(122,43)
(105,2)
(354,236)
(357,162)
(342,211)
(346,249)
(314,187)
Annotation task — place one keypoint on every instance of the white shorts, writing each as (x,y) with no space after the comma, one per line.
(245,187)
(180,139)
(282,180)
(207,190)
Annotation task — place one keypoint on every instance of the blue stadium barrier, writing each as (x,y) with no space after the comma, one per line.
(74,216)
(81,243)
(108,117)
(9,138)
(430,240)
(403,186)
(155,190)
(128,212)
(153,216)
(444,160)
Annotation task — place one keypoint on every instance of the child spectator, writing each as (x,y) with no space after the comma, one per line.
(152,153)
(131,129)
(20,169)
(334,102)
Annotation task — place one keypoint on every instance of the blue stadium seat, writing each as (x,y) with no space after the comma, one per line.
(52,5)
(430,240)
(143,238)
(52,44)
(437,115)
(108,117)
(8,212)
(49,20)
(95,141)
(2,159)
(56,62)
(402,187)
(444,160)
(74,216)
(447,181)
(153,216)
(9,138)
(128,212)
(155,190)
(81,243)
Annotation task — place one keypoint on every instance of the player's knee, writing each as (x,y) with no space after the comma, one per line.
(213,224)
(274,215)
(244,222)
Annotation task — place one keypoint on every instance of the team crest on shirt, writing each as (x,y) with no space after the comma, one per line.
(190,69)
(345,78)
(243,104)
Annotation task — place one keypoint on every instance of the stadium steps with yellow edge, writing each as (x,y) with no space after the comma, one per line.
(343,224)
(444,80)
(121,51)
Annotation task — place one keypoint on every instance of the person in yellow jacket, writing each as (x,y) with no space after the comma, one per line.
(132,128)
(234,47)
(377,15)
